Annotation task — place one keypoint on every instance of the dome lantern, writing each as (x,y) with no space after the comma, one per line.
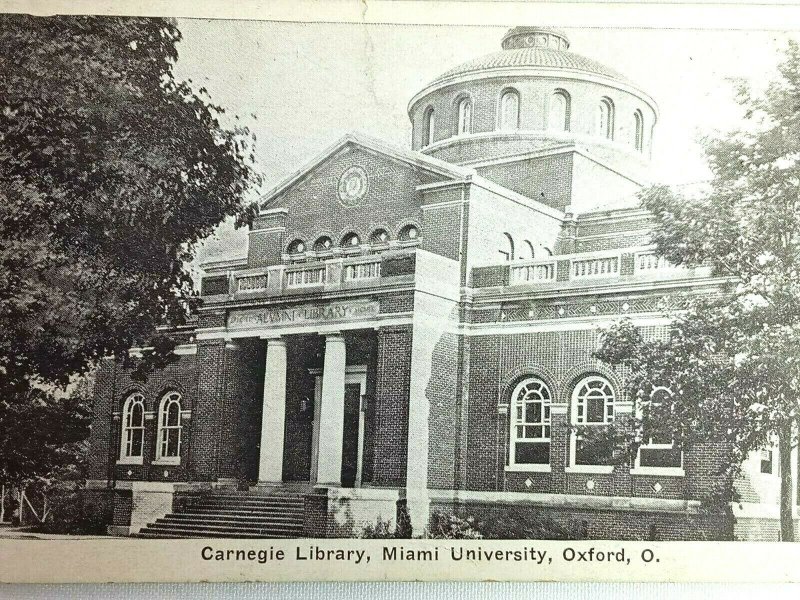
(535,37)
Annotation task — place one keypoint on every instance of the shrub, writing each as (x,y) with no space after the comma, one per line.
(453,527)
(381,530)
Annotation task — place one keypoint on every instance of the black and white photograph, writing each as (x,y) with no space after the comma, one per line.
(280,286)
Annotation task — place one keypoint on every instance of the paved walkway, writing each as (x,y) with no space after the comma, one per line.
(24,533)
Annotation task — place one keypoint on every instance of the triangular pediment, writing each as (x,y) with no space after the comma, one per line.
(371,157)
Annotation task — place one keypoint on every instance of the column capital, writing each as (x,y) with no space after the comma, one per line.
(332,336)
(274,340)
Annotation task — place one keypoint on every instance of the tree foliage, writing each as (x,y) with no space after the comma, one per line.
(732,360)
(111,170)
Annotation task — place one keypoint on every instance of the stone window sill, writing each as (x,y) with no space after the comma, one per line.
(594,469)
(660,471)
(171,460)
(130,460)
(528,468)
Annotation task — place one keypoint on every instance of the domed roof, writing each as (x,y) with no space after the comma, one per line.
(525,47)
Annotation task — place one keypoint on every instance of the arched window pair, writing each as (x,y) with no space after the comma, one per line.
(593,401)
(168,439)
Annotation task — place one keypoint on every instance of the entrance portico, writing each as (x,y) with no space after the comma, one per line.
(333,396)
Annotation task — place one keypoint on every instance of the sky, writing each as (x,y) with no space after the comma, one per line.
(301,86)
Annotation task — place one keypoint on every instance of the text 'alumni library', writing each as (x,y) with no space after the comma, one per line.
(411,332)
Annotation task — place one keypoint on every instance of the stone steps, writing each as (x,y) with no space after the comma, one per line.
(232,515)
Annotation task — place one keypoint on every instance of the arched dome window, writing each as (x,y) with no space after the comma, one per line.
(559,114)
(351,240)
(464,116)
(409,233)
(530,423)
(638,131)
(604,125)
(379,236)
(428,126)
(323,244)
(509,110)
(296,247)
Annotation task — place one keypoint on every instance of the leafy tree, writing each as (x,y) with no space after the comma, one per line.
(111,171)
(732,360)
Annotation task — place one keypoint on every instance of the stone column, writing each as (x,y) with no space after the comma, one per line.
(273,419)
(331,415)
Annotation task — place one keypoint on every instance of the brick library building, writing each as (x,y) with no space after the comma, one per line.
(411,332)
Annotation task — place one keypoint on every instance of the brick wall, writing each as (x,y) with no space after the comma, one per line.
(391,406)
(498,362)
(208,414)
(113,386)
(508,521)
(390,202)
(444,226)
(547,179)
(444,396)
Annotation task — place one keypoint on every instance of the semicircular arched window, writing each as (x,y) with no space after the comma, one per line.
(351,240)
(379,236)
(168,444)
(530,423)
(323,244)
(428,126)
(296,247)
(592,407)
(509,110)
(409,233)
(558,116)
(464,126)
(132,444)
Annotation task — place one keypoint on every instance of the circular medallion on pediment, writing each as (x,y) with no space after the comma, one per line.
(353,185)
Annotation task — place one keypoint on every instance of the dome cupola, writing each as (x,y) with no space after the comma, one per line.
(532,95)
(535,37)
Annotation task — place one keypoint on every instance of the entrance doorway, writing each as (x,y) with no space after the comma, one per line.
(355,387)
